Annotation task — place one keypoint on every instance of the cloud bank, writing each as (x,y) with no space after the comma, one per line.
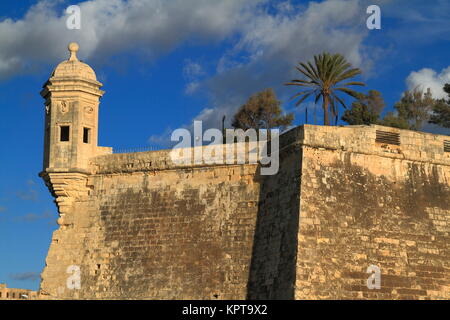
(108,27)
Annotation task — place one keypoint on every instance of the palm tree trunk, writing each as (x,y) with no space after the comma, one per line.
(315,114)
(306,116)
(326,120)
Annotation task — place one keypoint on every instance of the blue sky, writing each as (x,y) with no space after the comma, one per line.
(165,63)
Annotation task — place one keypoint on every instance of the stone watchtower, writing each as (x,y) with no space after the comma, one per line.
(72,96)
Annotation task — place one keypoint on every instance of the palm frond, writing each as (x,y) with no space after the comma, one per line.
(305,72)
(323,77)
(301,93)
(318,95)
(339,70)
(308,72)
(303,99)
(348,74)
(353,83)
(299,84)
(350,92)
(314,70)
(339,100)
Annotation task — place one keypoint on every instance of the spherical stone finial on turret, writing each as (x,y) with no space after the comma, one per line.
(73,49)
(73,67)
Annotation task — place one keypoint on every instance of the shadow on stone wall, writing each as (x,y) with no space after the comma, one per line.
(274,256)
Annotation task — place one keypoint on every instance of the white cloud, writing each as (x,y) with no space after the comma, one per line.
(429,78)
(192,71)
(108,27)
(191,87)
(161,140)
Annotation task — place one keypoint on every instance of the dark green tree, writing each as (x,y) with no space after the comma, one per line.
(392,120)
(441,110)
(262,111)
(415,107)
(323,79)
(366,110)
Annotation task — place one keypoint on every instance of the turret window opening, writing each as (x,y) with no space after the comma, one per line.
(86,135)
(65,133)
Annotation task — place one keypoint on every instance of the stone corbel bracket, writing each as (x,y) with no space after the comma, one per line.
(66,188)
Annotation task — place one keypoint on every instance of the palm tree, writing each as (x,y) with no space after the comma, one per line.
(323,80)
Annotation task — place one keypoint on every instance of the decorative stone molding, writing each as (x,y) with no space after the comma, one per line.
(89,110)
(66,188)
(64,107)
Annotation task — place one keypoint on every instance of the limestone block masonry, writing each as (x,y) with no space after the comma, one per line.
(141,227)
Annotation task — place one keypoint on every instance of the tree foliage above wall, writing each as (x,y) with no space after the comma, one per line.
(262,111)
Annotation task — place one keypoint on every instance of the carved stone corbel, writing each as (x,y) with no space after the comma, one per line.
(66,188)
